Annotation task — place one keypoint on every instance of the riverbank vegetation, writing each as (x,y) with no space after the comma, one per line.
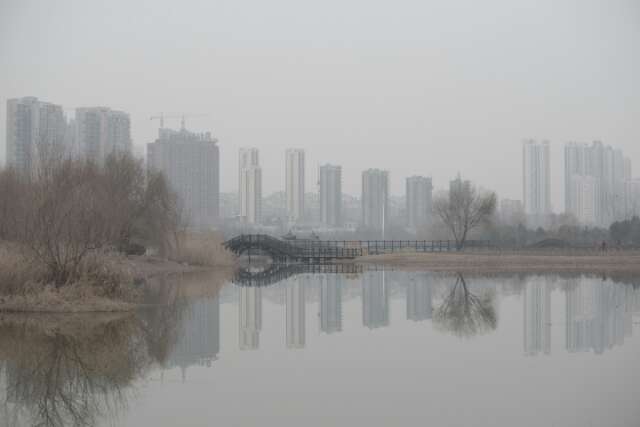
(66,231)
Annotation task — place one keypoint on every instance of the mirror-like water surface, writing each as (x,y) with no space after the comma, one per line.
(372,348)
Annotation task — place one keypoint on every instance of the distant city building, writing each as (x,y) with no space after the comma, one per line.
(511,211)
(419,299)
(627,169)
(34,129)
(458,185)
(577,161)
(191,164)
(330,303)
(375,300)
(351,209)
(294,188)
(295,308)
(607,170)
(101,131)
(632,198)
(331,195)
(250,186)
(250,317)
(229,205)
(536,181)
(312,207)
(584,200)
(418,201)
(375,199)
(274,206)
(537,317)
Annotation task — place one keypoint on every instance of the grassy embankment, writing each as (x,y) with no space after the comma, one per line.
(514,261)
(107,281)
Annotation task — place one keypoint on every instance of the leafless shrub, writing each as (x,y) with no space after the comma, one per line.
(71,208)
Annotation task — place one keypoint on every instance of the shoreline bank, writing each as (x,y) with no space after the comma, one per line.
(618,262)
(79,298)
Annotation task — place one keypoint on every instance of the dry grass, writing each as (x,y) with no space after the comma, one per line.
(509,262)
(15,269)
(202,249)
(102,285)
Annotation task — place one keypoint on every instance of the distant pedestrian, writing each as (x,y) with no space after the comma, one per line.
(603,246)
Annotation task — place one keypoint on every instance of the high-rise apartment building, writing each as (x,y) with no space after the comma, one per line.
(250,186)
(34,129)
(632,198)
(602,167)
(101,131)
(577,161)
(536,181)
(584,199)
(375,199)
(331,195)
(191,163)
(418,201)
(294,188)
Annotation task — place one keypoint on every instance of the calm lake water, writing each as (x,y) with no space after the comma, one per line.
(376,348)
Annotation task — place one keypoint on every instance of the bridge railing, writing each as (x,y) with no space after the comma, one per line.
(310,248)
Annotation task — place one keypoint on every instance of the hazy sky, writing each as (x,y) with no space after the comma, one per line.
(415,87)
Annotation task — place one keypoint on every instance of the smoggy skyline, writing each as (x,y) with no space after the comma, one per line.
(412,88)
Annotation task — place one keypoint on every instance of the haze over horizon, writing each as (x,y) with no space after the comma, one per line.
(412,88)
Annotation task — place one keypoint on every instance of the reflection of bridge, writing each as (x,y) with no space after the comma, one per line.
(278,272)
(311,250)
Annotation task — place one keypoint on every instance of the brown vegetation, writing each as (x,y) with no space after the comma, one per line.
(65,231)
(202,249)
(71,208)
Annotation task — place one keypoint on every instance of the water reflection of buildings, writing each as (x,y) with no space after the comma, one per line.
(330,303)
(419,298)
(250,317)
(295,307)
(375,300)
(599,315)
(537,317)
(199,337)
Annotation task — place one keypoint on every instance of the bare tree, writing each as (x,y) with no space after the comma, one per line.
(463,209)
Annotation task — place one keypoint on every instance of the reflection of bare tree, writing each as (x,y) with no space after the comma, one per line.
(72,370)
(465,314)
(70,373)
(63,370)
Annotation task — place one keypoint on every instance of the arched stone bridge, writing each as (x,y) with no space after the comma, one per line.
(319,251)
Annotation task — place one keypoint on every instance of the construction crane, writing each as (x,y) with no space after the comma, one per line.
(181,116)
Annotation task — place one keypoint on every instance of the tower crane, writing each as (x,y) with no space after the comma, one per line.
(181,116)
